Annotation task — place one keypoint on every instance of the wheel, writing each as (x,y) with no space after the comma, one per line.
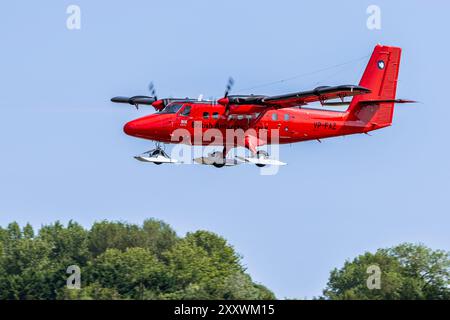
(220,160)
(261,154)
(218,165)
(156,153)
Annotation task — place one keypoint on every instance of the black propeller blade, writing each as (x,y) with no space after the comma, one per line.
(229,86)
(152,90)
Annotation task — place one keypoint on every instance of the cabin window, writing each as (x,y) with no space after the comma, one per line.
(215,115)
(205,115)
(186,111)
(240,117)
(286,117)
(274,116)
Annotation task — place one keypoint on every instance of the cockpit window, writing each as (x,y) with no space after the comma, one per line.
(172,108)
(186,111)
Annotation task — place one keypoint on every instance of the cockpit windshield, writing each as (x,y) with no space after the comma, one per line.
(172,108)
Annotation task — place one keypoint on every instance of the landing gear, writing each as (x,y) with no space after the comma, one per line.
(157,156)
(261,155)
(218,159)
(261,159)
(155,153)
(218,165)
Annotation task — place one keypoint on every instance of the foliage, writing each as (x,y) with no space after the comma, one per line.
(408,271)
(126,261)
(121,261)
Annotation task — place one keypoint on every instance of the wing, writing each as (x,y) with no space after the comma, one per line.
(318,94)
(136,100)
(158,104)
(321,94)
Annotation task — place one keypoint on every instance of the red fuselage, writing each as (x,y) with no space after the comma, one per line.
(292,124)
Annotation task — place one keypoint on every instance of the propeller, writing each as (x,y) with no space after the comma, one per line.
(224,100)
(229,86)
(152,90)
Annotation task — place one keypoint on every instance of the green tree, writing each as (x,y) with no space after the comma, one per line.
(69,244)
(121,261)
(216,248)
(159,236)
(154,235)
(92,291)
(114,235)
(27,269)
(13,232)
(408,271)
(239,286)
(204,266)
(28,232)
(135,273)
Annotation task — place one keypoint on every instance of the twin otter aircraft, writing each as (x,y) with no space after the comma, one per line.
(270,119)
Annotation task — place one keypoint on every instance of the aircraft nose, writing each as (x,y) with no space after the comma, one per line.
(142,127)
(133,127)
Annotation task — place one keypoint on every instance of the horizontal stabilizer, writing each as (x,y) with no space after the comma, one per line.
(387,101)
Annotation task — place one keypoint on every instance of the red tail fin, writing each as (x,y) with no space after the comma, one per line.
(380,76)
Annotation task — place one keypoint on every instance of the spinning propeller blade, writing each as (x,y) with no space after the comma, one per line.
(152,90)
(229,86)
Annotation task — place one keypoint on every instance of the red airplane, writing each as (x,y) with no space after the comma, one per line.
(271,119)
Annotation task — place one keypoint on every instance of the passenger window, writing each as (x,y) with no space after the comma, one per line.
(205,115)
(240,117)
(286,117)
(186,111)
(215,115)
(274,116)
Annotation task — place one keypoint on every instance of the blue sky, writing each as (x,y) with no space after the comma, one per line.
(64,155)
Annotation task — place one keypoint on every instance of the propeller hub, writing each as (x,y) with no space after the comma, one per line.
(158,104)
(223,101)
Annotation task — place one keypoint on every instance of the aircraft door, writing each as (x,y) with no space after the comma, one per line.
(285,127)
(184,118)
